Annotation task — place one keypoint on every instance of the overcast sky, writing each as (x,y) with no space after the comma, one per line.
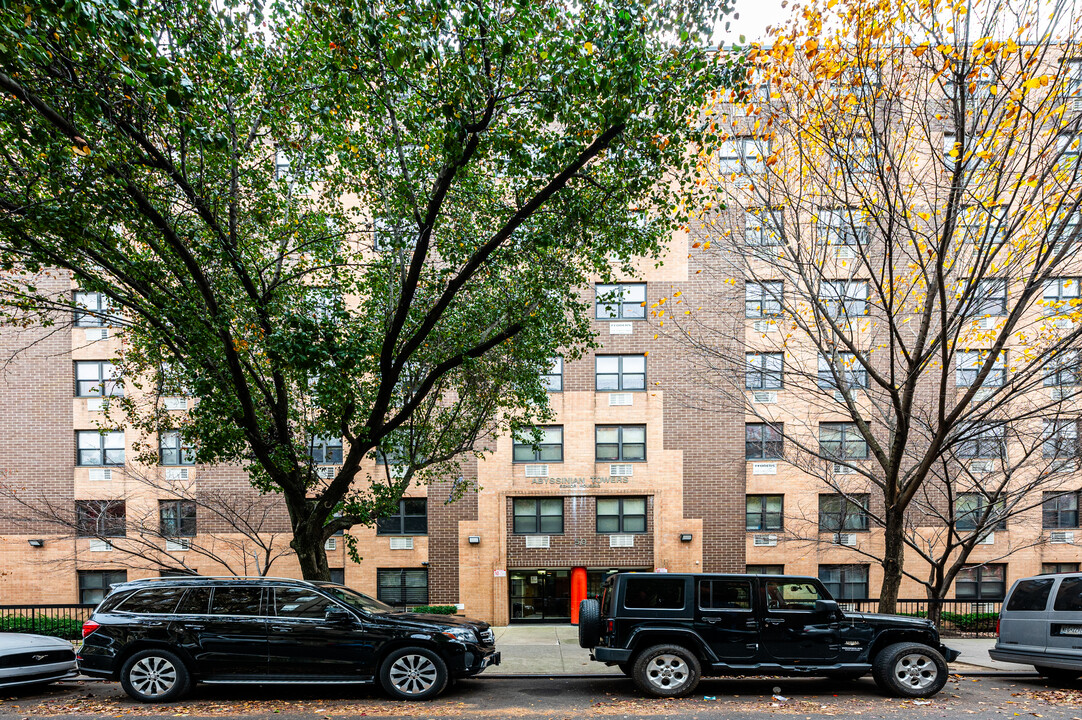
(754,16)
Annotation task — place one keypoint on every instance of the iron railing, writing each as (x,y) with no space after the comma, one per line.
(62,621)
(955,618)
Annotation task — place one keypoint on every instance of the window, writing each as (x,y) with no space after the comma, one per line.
(840,226)
(402,587)
(172,451)
(1072,76)
(763,441)
(338,576)
(841,441)
(980,225)
(859,81)
(844,364)
(411,519)
(654,593)
(1057,568)
(971,511)
(1062,369)
(620,443)
(969,364)
(1060,439)
(763,512)
(744,155)
(300,603)
(94,309)
(976,85)
(991,297)
(764,569)
(326,450)
(1070,147)
(621,515)
(764,228)
(538,516)
(620,372)
(158,601)
(1031,595)
(100,448)
(177,518)
(724,595)
(844,298)
(845,582)
(981,582)
(1060,295)
(838,513)
(196,602)
(620,302)
(763,299)
(789,595)
(984,442)
(100,518)
(972,151)
(1060,510)
(94,584)
(763,371)
(97,379)
(550,448)
(244,600)
(554,378)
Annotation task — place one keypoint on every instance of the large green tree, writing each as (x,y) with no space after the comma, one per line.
(360,220)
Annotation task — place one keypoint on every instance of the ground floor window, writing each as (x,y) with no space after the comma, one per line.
(845,582)
(94,584)
(1056,568)
(764,569)
(402,586)
(540,595)
(981,582)
(338,575)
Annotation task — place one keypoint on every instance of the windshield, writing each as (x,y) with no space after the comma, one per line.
(356,599)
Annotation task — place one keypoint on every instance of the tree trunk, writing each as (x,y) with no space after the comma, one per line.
(308,540)
(893,555)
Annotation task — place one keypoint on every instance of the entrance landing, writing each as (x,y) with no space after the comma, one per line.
(544,649)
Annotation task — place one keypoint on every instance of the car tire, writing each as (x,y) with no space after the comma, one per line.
(589,623)
(666,671)
(413,673)
(909,670)
(1057,674)
(155,675)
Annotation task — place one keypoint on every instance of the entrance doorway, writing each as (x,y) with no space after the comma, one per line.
(542,595)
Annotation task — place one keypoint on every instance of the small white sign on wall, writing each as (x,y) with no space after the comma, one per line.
(764,468)
(620,328)
(499,573)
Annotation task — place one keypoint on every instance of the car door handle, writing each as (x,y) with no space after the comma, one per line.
(712,620)
(774,621)
(751,624)
(152,623)
(191,626)
(281,628)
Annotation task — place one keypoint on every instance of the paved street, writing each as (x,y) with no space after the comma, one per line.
(556,698)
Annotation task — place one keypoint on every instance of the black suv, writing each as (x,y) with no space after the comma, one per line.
(159,636)
(667,630)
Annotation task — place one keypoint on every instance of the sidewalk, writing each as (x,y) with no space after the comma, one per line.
(554,649)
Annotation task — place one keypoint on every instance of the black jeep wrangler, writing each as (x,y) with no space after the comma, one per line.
(667,630)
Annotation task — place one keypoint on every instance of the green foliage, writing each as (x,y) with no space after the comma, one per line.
(60,627)
(435,609)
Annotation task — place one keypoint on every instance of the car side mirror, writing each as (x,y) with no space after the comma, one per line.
(338,615)
(826,607)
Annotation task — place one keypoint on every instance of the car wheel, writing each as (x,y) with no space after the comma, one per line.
(413,673)
(666,671)
(589,623)
(910,670)
(1057,674)
(155,676)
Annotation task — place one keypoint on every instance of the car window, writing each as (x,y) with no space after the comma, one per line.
(606,599)
(195,602)
(236,601)
(299,603)
(1069,597)
(654,593)
(724,595)
(781,595)
(355,599)
(152,600)
(1031,594)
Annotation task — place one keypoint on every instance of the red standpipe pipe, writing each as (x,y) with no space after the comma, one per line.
(578,592)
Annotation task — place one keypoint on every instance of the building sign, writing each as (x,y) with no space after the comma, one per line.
(593,481)
(499,573)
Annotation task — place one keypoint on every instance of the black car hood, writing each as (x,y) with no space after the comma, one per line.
(428,620)
(884,620)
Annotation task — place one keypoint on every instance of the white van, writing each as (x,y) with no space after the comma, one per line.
(1041,625)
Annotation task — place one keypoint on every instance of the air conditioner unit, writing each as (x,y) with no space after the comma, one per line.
(987,323)
(536,471)
(764,468)
(764,540)
(175,473)
(402,543)
(621,541)
(981,466)
(764,326)
(537,542)
(1063,323)
(95,334)
(331,544)
(840,469)
(847,539)
(617,399)
(326,472)
(620,328)
(626,470)
(844,253)
(99,545)
(1076,104)
(95,405)
(175,403)
(178,544)
(100,474)
(764,398)
(989,539)
(1061,537)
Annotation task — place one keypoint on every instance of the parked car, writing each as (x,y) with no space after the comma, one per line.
(162,635)
(1041,625)
(667,630)
(28,660)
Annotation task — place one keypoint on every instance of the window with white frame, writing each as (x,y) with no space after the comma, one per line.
(764,228)
(969,363)
(1072,75)
(764,371)
(763,299)
(620,302)
(554,378)
(97,379)
(94,309)
(620,372)
(972,151)
(844,299)
(96,447)
(1060,296)
(857,156)
(172,450)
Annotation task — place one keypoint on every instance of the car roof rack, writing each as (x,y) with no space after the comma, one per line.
(216,577)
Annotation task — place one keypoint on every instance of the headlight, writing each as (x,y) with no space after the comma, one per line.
(461,634)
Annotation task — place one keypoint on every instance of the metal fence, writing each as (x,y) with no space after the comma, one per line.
(62,621)
(955,618)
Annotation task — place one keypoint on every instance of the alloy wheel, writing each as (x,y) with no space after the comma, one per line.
(153,676)
(916,671)
(667,672)
(413,674)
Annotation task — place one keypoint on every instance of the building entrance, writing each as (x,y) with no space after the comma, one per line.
(542,595)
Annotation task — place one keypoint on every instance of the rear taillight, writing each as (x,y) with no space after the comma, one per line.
(89,626)
(610,625)
(997,626)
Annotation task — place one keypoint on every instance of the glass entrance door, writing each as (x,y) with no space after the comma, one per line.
(540,595)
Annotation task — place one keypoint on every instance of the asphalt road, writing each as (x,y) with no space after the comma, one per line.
(570,699)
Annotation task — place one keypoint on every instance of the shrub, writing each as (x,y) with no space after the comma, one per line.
(60,627)
(435,609)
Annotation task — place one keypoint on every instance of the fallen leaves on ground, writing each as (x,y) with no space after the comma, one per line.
(1058,696)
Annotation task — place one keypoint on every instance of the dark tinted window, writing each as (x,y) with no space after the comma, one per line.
(236,601)
(654,593)
(299,602)
(724,595)
(1031,595)
(154,600)
(195,602)
(1069,596)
